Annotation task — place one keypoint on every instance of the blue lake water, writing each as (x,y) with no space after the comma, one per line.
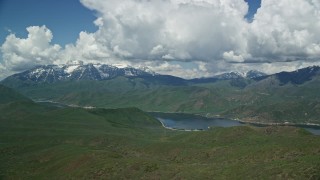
(314,130)
(194,122)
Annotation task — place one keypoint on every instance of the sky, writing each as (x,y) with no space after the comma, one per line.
(185,38)
(254,5)
(64,18)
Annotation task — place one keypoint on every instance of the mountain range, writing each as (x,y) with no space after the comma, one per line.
(40,139)
(99,72)
(55,73)
(252,96)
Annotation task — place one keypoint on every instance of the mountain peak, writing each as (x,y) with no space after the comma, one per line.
(77,70)
(75,63)
(237,75)
(254,74)
(230,75)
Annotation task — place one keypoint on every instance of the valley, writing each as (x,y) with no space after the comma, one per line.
(41,141)
(286,97)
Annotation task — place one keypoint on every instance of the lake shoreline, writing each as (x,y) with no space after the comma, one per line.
(308,125)
(278,124)
(175,129)
(191,122)
(311,125)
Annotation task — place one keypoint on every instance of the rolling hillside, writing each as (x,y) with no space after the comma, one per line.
(39,142)
(8,95)
(283,97)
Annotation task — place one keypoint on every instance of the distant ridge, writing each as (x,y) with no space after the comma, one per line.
(54,73)
(77,71)
(84,72)
(252,74)
(299,76)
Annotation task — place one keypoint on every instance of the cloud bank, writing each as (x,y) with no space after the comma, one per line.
(19,54)
(187,38)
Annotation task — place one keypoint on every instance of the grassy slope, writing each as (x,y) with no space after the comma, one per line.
(7,95)
(124,92)
(41,142)
(273,103)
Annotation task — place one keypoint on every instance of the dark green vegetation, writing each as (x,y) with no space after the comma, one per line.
(8,95)
(45,142)
(285,97)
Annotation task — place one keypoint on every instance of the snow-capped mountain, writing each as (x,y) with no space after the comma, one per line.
(254,74)
(237,75)
(79,71)
(230,75)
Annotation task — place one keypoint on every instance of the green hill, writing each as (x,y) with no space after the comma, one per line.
(44,141)
(39,142)
(263,101)
(283,97)
(8,95)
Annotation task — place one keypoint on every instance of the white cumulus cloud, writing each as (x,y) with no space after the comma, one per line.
(182,30)
(286,30)
(87,49)
(19,54)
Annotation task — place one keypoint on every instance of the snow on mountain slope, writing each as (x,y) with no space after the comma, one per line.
(254,74)
(236,75)
(71,68)
(78,71)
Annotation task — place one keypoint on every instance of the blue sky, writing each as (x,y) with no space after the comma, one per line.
(253,7)
(65,18)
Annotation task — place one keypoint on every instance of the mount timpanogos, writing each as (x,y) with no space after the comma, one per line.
(77,71)
(98,72)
